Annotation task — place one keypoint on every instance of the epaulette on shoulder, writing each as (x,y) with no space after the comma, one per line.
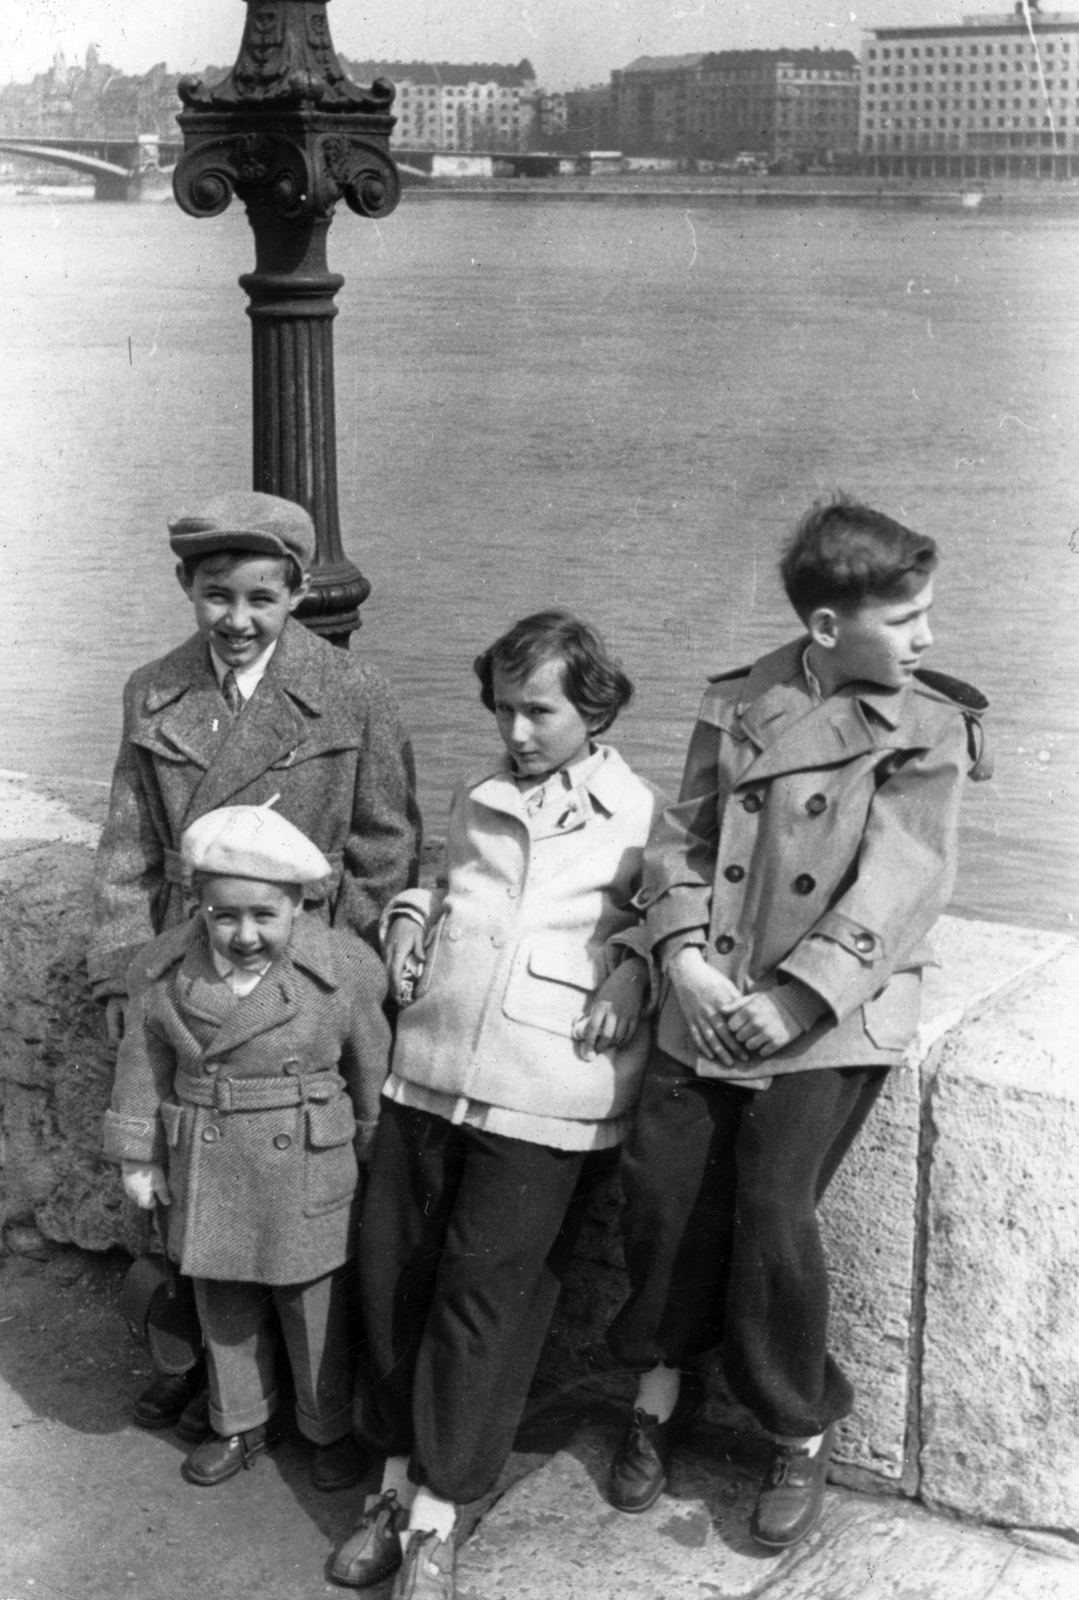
(155,959)
(722,677)
(971,703)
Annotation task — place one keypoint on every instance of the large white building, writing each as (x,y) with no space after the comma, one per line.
(994,95)
(441,105)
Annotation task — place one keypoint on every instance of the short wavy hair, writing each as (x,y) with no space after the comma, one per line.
(843,554)
(591,677)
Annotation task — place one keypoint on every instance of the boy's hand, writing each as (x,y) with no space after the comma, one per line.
(115,1017)
(403,953)
(615,1010)
(144,1182)
(762,1023)
(704,995)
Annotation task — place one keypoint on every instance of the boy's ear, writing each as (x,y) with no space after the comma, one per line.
(182,579)
(821,623)
(300,593)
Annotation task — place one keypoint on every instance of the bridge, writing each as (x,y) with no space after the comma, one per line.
(138,168)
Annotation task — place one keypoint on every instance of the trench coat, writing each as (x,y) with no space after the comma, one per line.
(321,730)
(259,1108)
(518,940)
(816,842)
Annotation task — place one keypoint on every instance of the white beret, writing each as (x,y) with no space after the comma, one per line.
(252,842)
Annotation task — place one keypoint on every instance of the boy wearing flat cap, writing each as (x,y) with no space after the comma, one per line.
(251,705)
(247,1091)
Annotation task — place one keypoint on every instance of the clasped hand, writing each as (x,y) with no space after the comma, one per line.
(725,1025)
(616,1009)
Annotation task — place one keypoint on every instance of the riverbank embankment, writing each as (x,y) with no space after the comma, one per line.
(952,1230)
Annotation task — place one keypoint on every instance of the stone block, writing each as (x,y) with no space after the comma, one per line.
(1000,1377)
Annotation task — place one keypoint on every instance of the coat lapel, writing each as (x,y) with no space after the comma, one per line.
(276,1000)
(183,713)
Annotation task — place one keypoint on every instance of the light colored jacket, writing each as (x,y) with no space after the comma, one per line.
(817,842)
(321,730)
(257,1107)
(519,938)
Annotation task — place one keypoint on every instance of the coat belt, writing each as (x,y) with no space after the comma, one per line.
(257,1094)
(176,872)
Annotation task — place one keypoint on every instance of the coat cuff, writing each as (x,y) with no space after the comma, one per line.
(842,961)
(134,1139)
(804,1005)
(415,904)
(679,909)
(634,942)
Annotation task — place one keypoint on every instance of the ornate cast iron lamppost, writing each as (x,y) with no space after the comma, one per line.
(291,135)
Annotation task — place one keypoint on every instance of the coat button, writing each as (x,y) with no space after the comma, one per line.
(513,891)
(724,944)
(210,1134)
(498,940)
(753,802)
(281,1141)
(816,804)
(292,1069)
(734,874)
(864,942)
(210,1069)
(804,884)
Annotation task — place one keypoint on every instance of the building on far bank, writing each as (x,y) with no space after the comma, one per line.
(795,107)
(445,106)
(989,96)
(91,102)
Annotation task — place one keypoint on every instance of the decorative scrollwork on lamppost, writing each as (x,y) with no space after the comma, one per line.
(288,132)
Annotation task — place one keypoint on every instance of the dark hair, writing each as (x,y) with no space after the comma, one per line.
(591,678)
(191,564)
(843,553)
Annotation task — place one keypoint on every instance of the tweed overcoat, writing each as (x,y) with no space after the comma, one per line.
(518,940)
(257,1107)
(321,730)
(818,842)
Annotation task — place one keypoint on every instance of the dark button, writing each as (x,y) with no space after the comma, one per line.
(804,884)
(753,802)
(734,874)
(816,804)
(210,1068)
(864,941)
(281,1141)
(210,1134)
(724,944)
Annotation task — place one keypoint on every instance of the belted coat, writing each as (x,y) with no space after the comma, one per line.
(523,932)
(258,1107)
(815,841)
(321,730)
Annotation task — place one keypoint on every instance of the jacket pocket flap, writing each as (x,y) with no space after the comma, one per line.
(171,1118)
(574,967)
(331,1124)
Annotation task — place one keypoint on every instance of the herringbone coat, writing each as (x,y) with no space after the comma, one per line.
(257,1107)
(321,730)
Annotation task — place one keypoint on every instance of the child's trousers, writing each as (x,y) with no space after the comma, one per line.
(464,1240)
(722,1241)
(237,1325)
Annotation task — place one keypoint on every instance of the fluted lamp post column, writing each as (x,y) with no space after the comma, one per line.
(291,135)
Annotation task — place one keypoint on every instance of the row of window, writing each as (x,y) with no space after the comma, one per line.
(1020,48)
(957,122)
(1033,104)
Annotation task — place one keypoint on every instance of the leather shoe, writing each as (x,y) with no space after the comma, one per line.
(428,1570)
(165,1399)
(791,1496)
(338,1465)
(194,1420)
(372,1550)
(642,1461)
(220,1458)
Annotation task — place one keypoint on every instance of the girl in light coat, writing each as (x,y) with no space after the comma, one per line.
(519,1053)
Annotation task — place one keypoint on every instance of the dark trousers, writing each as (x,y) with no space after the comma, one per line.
(722,1241)
(464,1241)
(238,1327)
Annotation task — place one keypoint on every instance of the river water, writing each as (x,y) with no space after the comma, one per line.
(616,408)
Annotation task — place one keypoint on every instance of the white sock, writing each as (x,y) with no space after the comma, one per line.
(657,1392)
(431,1514)
(395,1476)
(810,1445)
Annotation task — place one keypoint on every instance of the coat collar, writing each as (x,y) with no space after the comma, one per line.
(604,786)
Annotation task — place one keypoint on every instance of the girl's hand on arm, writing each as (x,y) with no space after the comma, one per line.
(403,954)
(614,1014)
(144,1182)
(703,994)
(762,1023)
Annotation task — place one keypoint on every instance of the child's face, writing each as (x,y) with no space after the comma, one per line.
(249,922)
(241,605)
(540,726)
(882,642)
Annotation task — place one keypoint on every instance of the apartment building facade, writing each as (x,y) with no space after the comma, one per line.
(441,105)
(994,95)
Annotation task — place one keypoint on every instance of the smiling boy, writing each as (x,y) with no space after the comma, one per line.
(251,706)
(789,896)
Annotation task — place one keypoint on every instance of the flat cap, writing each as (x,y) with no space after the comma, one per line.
(245,520)
(252,842)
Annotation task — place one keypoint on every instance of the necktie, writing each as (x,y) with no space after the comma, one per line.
(231,690)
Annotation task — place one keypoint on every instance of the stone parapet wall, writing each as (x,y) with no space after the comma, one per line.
(952,1229)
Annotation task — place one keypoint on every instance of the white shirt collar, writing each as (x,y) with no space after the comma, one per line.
(240,983)
(247,678)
